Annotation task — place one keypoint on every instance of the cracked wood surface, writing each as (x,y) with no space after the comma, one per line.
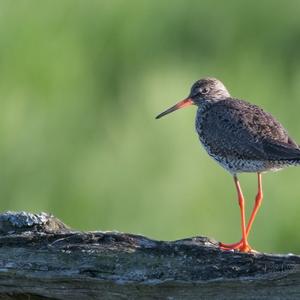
(41,258)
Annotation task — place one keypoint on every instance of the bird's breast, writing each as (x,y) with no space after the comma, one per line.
(201,126)
(206,138)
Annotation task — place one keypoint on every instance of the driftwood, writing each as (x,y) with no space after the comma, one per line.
(41,258)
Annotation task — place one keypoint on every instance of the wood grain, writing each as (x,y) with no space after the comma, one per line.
(41,258)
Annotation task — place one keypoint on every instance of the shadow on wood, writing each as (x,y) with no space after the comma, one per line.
(41,258)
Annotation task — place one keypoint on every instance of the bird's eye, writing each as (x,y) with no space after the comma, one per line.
(204,90)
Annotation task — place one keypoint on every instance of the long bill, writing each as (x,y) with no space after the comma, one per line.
(184,103)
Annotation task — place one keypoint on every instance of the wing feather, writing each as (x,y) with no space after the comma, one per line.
(235,128)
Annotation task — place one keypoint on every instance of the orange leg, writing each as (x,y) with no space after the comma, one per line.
(257,204)
(258,201)
(243,245)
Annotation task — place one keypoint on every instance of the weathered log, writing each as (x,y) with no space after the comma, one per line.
(41,258)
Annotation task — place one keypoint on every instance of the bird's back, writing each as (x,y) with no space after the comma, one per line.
(244,138)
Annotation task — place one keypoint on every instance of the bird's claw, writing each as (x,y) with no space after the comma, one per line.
(241,246)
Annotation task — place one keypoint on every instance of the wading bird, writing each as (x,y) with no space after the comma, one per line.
(241,137)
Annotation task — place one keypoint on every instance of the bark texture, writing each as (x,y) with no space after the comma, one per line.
(41,258)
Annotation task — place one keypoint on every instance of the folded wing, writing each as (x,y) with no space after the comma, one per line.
(235,128)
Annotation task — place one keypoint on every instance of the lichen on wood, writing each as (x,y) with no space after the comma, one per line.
(42,258)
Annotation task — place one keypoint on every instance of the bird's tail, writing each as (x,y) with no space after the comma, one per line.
(282,151)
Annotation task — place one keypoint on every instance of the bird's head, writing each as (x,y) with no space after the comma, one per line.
(203,89)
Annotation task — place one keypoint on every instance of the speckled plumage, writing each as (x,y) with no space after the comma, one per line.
(241,136)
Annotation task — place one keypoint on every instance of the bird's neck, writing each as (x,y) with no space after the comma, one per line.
(208,102)
(205,104)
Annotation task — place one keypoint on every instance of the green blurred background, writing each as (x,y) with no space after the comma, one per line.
(81,83)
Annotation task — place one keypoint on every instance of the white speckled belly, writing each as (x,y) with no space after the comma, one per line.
(236,165)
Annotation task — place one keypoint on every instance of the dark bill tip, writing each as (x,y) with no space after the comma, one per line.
(181,104)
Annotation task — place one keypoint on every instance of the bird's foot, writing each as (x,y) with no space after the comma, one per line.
(241,246)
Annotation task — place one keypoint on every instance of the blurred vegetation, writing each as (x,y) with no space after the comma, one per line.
(81,83)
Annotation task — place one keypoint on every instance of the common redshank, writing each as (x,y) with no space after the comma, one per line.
(241,137)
